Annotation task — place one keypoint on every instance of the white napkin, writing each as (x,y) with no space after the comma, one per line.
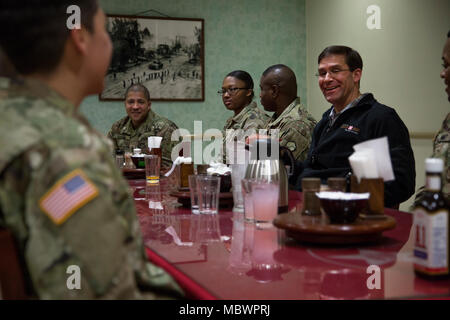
(154,142)
(217,168)
(178,161)
(371,159)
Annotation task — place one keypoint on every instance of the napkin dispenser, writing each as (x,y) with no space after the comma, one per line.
(375,186)
(371,165)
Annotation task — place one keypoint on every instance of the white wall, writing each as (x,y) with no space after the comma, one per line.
(402,60)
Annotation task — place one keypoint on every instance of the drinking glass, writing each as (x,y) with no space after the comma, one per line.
(208,189)
(265,202)
(237,174)
(248,200)
(152,168)
(194,193)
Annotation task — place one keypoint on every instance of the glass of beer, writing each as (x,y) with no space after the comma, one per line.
(155,151)
(152,168)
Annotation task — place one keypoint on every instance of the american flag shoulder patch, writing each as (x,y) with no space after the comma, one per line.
(67,195)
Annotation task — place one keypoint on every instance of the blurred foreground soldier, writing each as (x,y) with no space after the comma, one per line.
(442,139)
(6,68)
(278,86)
(60,193)
(140,123)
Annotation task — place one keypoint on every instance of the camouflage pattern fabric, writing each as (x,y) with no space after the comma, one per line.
(441,150)
(251,117)
(126,138)
(43,139)
(296,126)
(247,122)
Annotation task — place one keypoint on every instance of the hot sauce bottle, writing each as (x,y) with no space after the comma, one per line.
(431,226)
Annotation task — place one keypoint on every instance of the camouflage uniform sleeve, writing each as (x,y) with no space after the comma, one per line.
(254,122)
(109,135)
(165,130)
(296,138)
(440,150)
(102,237)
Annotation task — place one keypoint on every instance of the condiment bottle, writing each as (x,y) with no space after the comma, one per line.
(431,226)
(186,169)
(120,160)
(311,203)
(337,184)
(141,160)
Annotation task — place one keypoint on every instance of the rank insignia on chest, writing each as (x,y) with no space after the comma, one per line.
(67,195)
(350,128)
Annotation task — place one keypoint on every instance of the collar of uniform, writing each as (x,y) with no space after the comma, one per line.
(42,90)
(241,114)
(333,115)
(275,121)
(129,126)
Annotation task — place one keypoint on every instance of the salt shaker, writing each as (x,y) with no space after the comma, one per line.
(119,158)
(337,184)
(311,203)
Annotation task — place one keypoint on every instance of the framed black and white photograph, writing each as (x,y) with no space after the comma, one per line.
(164,54)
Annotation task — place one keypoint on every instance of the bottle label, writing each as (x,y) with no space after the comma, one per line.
(431,242)
(433,183)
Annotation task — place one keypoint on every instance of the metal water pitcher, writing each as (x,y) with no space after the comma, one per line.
(266,162)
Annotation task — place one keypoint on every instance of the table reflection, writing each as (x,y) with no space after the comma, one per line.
(230,258)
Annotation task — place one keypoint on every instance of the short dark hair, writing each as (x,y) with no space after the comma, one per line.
(352,57)
(137,87)
(33,32)
(448,34)
(243,76)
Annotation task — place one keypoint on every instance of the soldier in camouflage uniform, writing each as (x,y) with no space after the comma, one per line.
(279,94)
(140,123)
(60,192)
(440,150)
(251,117)
(442,139)
(237,95)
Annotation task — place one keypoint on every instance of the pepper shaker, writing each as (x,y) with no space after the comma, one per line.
(311,203)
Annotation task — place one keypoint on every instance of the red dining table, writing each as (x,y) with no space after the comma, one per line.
(224,257)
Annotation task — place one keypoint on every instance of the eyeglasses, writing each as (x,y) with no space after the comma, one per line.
(333,72)
(231,91)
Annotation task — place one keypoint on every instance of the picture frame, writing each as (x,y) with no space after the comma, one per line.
(164,54)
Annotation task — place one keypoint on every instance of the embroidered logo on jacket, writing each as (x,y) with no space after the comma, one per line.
(350,128)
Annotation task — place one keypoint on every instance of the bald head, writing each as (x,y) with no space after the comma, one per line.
(283,77)
(278,88)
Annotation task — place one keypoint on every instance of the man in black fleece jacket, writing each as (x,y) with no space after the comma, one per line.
(354,118)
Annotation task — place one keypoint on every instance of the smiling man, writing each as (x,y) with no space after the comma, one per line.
(140,123)
(354,118)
